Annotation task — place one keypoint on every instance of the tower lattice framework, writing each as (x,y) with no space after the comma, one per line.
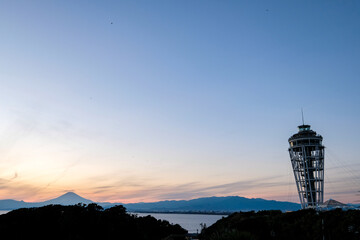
(307,159)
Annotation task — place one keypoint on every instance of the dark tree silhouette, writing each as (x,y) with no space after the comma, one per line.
(303,224)
(83,222)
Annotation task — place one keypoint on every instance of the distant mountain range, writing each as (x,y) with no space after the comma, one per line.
(209,204)
(216,204)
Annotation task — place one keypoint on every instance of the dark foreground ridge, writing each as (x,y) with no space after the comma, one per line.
(302,224)
(84,222)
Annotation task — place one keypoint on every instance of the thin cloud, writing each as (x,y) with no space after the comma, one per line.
(62,174)
(224,189)
(182,191)
(15,176)
(21,128)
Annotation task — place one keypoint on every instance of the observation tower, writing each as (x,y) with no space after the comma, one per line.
(307,159)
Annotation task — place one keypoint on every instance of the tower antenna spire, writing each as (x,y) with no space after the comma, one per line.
(302,116)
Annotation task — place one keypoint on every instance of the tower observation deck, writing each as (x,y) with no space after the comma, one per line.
(307,159)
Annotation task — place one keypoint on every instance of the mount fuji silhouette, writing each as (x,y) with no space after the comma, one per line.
(68,198)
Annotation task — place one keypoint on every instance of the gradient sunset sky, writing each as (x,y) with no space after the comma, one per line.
(128,101)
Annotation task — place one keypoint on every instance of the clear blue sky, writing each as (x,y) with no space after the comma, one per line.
(150,100)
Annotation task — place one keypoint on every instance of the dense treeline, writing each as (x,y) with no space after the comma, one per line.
(302,224)
(83,222)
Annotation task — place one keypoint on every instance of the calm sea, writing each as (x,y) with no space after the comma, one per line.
(190,222)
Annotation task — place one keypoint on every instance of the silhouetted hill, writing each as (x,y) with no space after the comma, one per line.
(302,224)
(210,204)
(9,204)
(84,222)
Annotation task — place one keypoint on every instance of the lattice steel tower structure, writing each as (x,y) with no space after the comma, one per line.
(307,159)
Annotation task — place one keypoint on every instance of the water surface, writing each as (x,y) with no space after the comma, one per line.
(190,222)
